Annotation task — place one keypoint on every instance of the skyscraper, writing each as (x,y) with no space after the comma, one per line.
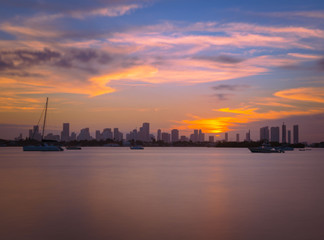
(65,134)
(283,134)
(201,136)
(195,136)
(274,134)
(146,132)
(166,137)
(175,135)
(237,137)
(107,134)
(264,134)
(248,136)
(211,139)
(296,134)
(159,137)
(84,134)
(226,137)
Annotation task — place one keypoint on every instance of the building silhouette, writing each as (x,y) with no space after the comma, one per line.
(65,134)
(264,134)
(237,137)
(283,134)
(166,137)
(226,137)
(248,136)
(211,139)
(84,135)
(296,134)
(35,134)
(274,134)
(159,136)
(175,135)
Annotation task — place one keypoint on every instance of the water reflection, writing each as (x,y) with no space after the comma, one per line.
(171,193)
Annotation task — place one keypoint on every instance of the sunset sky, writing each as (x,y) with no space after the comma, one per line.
(213,65)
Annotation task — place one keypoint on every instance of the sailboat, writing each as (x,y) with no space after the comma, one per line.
(44,146)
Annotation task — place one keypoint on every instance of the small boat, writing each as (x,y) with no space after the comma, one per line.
(43,147)
(136,147)
(73,148)
(265,148)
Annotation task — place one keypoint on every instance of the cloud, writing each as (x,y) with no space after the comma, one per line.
(320,64)
(297,14)
(113,11)
(18,59)
(221,58)
(223,96)
(229,87)
(308,94)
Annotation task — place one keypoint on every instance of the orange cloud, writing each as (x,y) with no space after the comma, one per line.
(308,94)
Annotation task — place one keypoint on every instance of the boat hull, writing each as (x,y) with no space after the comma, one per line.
(260,150)
(43,148)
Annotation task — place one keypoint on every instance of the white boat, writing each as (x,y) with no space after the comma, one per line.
(43,145)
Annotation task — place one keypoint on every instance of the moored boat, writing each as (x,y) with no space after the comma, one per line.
(43,147)
(265,148)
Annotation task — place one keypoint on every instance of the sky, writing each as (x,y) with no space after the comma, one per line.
(219,66)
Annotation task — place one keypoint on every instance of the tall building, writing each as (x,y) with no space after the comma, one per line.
(73,136)
(132,136)
(159,136)
(35,134)
(201,136)
(264,134)
(166,137)
(98,135)
(84,135)
(237,137)
(118,136)
(274,134)
(289,137)
(146,132)
(296,134)
(226,137)
(175,135)
(195,136)
(211,139)
(248,136)
(283,134)
(65,134)
(107,134)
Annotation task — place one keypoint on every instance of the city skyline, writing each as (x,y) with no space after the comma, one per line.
(145,135)
(218,66)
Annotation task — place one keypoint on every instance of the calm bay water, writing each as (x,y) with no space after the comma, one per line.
(161,193)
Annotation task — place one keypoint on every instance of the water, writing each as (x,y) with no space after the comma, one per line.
(161,194)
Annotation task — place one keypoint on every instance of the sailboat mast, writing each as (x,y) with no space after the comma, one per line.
(45,118)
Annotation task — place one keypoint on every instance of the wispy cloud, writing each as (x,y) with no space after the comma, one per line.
(113,11)
(309,94)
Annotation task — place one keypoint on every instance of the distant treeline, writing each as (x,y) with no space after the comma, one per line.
(154,143)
